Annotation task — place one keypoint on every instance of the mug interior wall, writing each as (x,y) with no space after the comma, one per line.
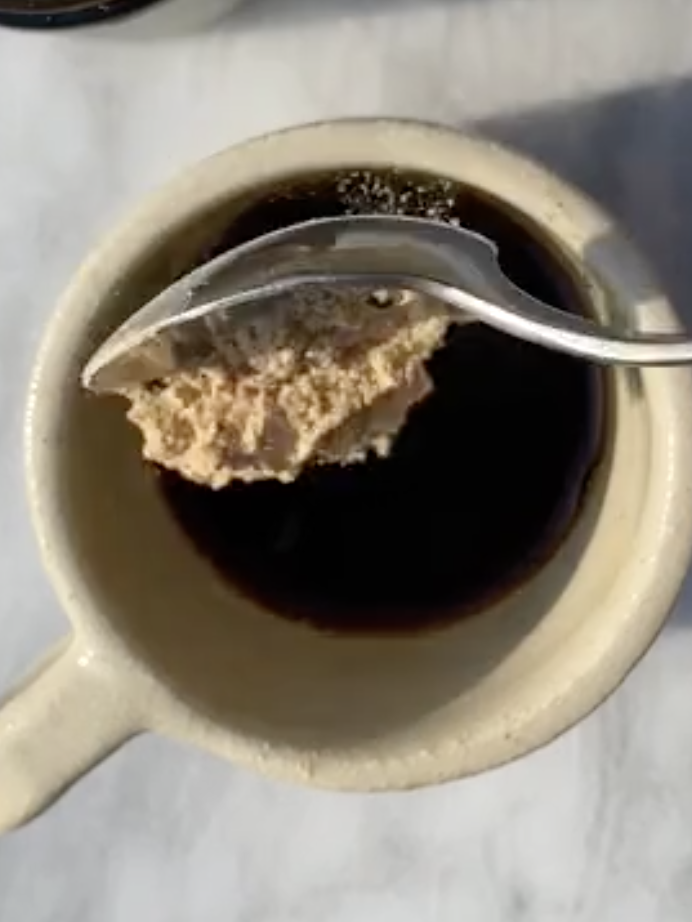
(274,680)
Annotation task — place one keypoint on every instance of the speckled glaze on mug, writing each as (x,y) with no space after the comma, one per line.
(158,643)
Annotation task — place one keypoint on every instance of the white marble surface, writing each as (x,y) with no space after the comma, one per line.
(596,827)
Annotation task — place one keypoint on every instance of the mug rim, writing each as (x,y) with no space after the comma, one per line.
(266,159)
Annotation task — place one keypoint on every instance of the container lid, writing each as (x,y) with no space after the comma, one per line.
(56,14)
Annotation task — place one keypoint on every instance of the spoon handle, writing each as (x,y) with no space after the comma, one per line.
(525,316)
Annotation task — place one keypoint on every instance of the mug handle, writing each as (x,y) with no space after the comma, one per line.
(59,723)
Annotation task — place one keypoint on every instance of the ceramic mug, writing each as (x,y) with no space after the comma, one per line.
(158,643)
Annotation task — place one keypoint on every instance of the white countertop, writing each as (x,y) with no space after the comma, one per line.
(596,827)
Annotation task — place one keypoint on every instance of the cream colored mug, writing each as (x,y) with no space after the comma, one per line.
(158,643)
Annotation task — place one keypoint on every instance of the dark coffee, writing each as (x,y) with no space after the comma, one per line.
(483,483)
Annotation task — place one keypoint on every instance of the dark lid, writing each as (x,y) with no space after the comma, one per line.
(55,14)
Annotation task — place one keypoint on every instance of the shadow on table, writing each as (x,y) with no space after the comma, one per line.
(252,13)
(631,151)
(173,19)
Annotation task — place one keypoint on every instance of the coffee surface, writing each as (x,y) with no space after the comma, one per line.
(481,486)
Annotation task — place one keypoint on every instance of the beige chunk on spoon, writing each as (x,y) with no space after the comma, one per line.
(323,381)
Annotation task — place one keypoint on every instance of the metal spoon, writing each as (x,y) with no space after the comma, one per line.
(363,253)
